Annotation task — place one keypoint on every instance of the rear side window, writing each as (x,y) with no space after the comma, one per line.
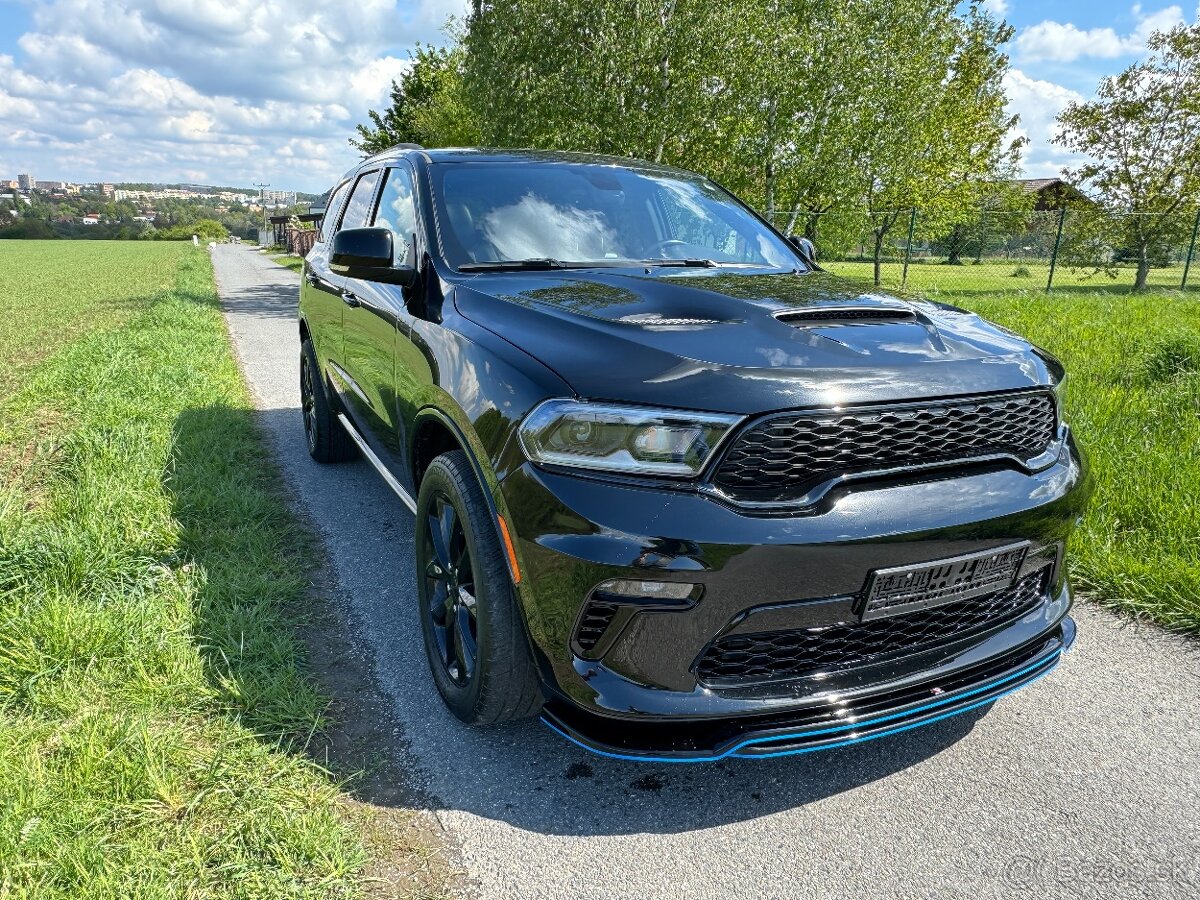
(331,210)
(398,211)
(358,210)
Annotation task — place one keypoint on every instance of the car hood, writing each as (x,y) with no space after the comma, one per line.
(744,343)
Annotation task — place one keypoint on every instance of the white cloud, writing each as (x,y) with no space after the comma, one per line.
(1051,41)
(1039,103)
(998,7)
(227,91)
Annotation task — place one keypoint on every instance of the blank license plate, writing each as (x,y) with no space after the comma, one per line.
(903,589)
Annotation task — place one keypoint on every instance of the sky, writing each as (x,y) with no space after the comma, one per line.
(234,92)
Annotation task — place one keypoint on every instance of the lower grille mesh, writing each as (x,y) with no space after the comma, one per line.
(790,654)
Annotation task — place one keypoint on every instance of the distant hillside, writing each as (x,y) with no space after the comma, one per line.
(203,188)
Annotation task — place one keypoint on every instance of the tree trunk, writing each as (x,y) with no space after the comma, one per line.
(1143,268)
(879,232)
(770,187)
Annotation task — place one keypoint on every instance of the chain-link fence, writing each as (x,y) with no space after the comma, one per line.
(1080,248)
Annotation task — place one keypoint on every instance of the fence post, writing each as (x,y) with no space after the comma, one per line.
(1062,215)
(912,226)
(1187,263)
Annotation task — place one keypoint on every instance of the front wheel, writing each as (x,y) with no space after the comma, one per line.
(474,637)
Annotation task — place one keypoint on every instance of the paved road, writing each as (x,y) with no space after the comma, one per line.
(1085,784)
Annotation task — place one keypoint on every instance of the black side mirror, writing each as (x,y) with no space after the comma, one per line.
(807,251)
(366,253)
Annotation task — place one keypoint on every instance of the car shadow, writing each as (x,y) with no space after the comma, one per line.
(273,301)
(388,724)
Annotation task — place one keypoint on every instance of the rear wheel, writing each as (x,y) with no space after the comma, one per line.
(327,440)
(474,637)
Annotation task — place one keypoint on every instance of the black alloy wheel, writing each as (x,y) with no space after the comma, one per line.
(479,654)
(450,591)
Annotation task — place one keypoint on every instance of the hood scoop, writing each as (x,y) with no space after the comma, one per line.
(846,315)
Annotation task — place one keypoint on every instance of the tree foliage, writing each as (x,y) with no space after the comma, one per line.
(1142,136)
(426,108)
(797,106)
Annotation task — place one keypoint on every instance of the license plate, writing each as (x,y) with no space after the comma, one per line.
(903,589)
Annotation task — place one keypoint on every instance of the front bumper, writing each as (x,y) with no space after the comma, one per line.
(762,573)
(827,723)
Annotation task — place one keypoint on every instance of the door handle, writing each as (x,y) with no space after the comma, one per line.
(350,298)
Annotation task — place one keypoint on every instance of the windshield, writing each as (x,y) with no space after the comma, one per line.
(571,213)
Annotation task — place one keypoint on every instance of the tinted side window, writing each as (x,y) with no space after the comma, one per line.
(398,210)
(331,210)
(358,210)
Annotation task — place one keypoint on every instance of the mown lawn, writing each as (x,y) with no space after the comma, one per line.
(992,277)
(153,711)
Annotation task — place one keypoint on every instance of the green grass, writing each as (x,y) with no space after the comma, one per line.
(295,263)
(44,304)
(996,276)
(153,711)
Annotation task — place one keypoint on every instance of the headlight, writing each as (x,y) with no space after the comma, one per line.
(624,439)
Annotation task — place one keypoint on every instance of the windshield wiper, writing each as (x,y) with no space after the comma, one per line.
(546,262)
(690,262)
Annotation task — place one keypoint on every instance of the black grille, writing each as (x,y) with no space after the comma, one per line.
(791,654)
(593,623)
(790,453)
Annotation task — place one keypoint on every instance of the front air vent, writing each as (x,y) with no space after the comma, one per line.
(597,616)
(840,315)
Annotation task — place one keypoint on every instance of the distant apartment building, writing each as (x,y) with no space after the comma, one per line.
(59,187)
(279,198)
(26,182)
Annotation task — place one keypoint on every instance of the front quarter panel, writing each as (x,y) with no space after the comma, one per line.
(480,386)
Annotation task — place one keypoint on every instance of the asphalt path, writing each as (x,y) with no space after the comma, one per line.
(1085,784)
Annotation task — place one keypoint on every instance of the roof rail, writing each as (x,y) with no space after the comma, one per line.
(396,147)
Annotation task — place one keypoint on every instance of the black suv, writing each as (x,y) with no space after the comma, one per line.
(676,488)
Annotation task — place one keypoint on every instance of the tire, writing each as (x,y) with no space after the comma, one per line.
(474,636)
(327,440)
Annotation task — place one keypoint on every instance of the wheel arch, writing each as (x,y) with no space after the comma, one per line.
(435,432)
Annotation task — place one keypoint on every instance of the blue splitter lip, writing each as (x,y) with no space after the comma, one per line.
(985,693)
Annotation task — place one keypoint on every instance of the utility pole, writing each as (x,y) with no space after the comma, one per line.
(262,201)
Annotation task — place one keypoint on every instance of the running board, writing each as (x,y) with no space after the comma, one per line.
(405,496)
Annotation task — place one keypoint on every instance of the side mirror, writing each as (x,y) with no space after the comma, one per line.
(807,251)
(366,253)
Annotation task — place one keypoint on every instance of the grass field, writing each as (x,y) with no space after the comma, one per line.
(45,305)
(153,711)
(995,276)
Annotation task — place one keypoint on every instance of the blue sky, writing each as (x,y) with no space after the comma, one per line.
(181,90)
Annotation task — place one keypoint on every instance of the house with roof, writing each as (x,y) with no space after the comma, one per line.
(1051,193)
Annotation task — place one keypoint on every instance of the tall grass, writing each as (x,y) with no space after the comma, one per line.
(151,700)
